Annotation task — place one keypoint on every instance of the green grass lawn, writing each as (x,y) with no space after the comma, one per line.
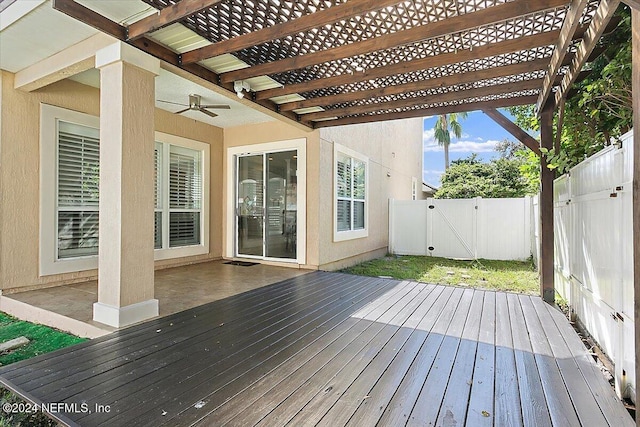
(42,340)
(511,276)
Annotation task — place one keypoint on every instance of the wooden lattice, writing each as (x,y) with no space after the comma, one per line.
(389,75)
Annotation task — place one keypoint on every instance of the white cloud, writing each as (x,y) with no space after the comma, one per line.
(433,172)
(427,135)
(465,147)
(473,146)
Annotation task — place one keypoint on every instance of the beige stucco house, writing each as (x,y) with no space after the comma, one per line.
(99,178)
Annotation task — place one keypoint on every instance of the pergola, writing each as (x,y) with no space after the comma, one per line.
(320,63)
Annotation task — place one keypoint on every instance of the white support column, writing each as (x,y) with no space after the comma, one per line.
(125,259)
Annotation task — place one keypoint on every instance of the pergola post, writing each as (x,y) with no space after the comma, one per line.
(635,84)
(547,289)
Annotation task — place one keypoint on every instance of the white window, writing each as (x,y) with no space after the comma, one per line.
(69,193)
(351,192)
(181,211)
(69,171)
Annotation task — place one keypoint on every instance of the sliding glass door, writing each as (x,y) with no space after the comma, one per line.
(250,208)
(266,209)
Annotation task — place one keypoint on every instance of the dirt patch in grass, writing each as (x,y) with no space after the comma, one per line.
(42,339)
(510,276)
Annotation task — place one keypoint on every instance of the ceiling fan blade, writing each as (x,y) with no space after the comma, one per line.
(217,106)
(171,102)
(208,113)
(182,111)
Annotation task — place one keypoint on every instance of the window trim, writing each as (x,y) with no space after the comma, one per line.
(339,236)
(48,262)
(184,251)
(47,247)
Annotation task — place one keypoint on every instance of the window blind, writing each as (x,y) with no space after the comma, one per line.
(185,196)
(78,178)
(351,193)
(185,178)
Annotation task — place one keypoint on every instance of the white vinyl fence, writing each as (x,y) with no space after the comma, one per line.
(461,228)
(593,252)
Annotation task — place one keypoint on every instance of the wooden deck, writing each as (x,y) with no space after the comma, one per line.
(332,349)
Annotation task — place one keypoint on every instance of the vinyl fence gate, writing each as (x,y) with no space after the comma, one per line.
(462,228)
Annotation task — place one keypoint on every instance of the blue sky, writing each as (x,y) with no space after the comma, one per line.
(479,135)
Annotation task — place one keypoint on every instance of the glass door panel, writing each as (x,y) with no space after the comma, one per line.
(250,205)
(281,204)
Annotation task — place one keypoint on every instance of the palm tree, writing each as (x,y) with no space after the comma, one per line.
(446,124)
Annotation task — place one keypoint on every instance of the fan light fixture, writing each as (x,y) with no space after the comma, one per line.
(239,86)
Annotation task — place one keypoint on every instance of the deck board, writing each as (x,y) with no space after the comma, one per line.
(185,335)
(453,409)
(535,412)
(481,408)
(399,408)
(434,387)
(334,349)
(561,409)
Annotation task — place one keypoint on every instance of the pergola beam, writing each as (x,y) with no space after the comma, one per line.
(167,16)
(596,28)
(515,130)
(500,48)
(633,4)
(88,16)
(423,112)
(435,29)
(430,99)
(569,26)
(449,80)
(327,16)
(91,18)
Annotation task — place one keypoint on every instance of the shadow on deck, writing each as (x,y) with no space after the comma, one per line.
(333,349)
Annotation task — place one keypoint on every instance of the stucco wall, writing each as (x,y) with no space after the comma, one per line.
(175,124)
(280,131)
(394,149)
(19,176)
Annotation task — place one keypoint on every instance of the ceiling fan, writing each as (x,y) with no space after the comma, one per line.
(195,104)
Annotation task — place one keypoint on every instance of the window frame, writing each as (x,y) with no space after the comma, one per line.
(167,252)
(49,263)
(339,236)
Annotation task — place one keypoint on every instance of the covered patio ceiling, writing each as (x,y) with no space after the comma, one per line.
(335,62)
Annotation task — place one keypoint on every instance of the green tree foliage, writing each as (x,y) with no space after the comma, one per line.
(599,108)
(499,178)
(445,125)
